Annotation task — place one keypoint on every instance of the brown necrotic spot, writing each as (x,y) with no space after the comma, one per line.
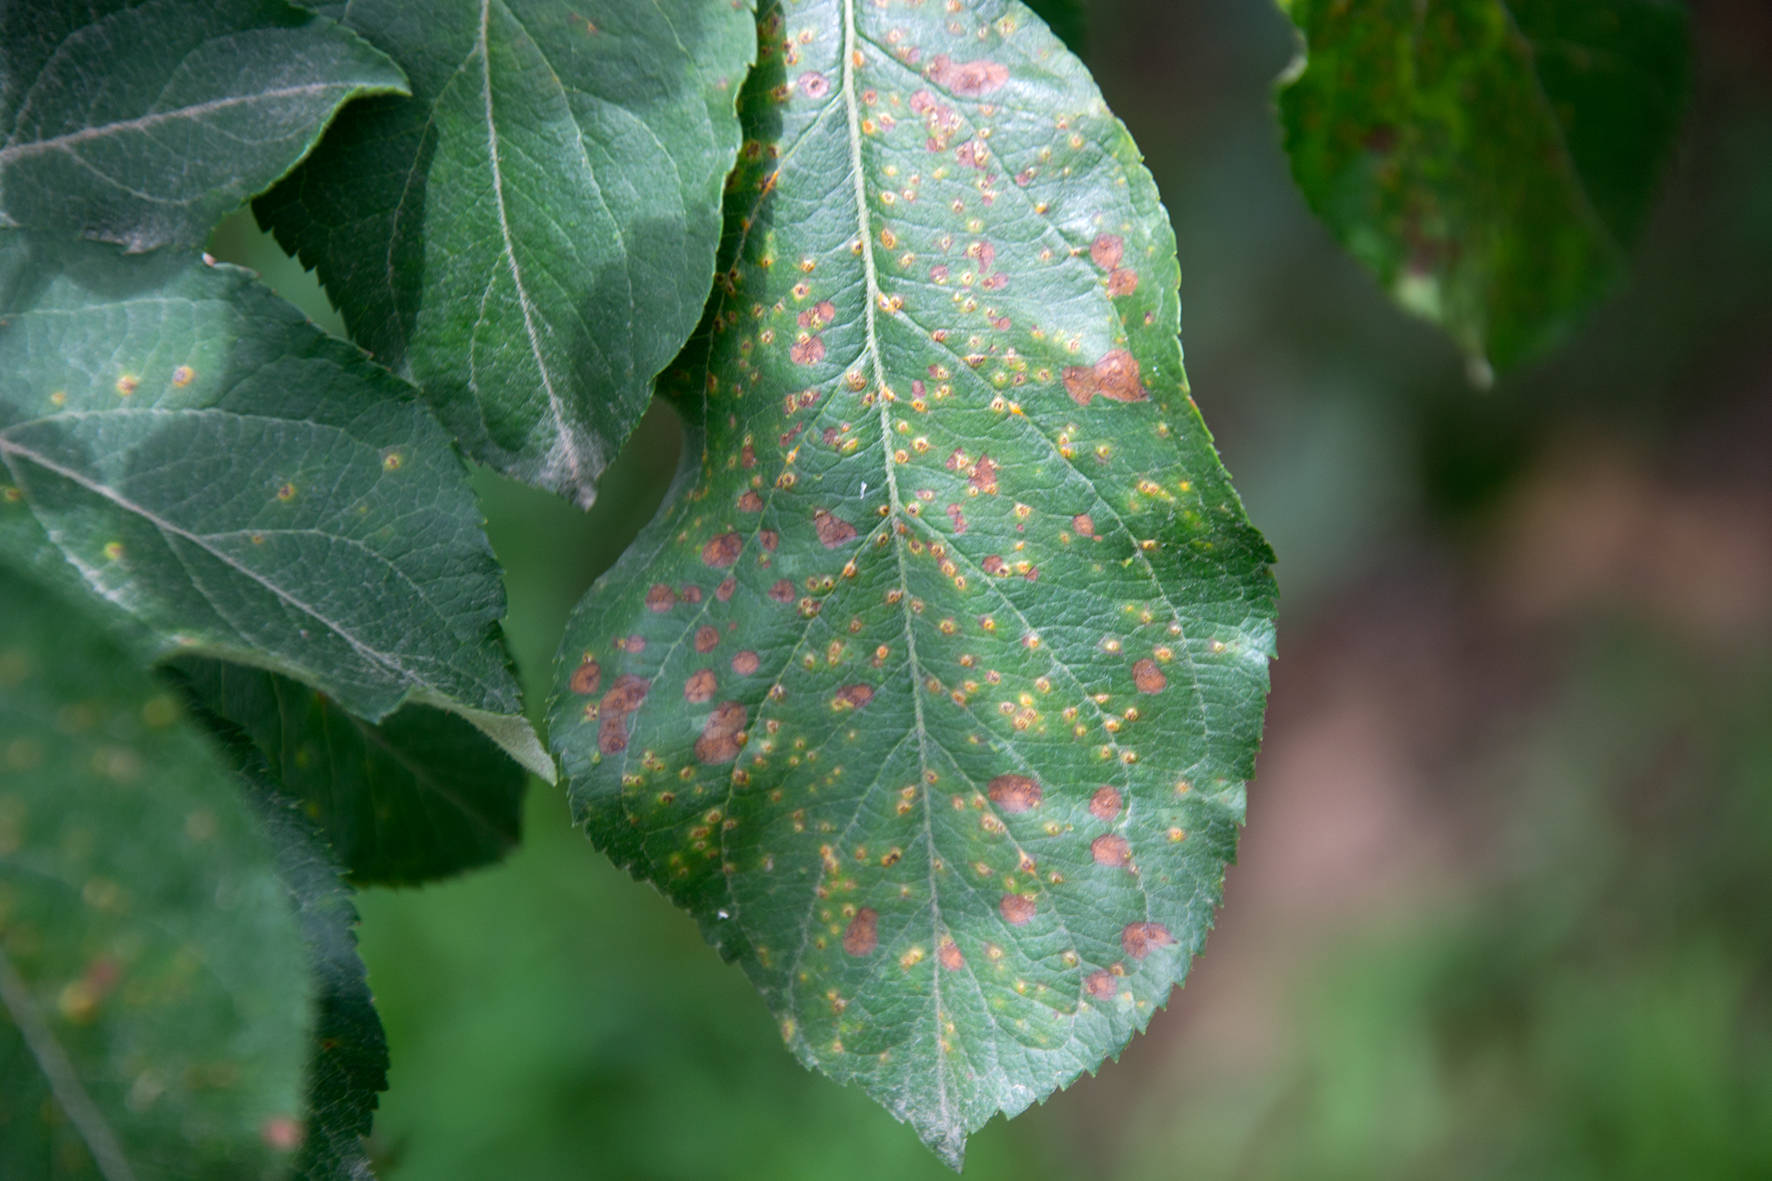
(1100,985)
(832,530)
(660,598)
(958,518)
(1107,250)
(623,698)
(721,736)
(854,696)
(1139,938)
(814,85)
(700,686)
(967,78)
(807,352)
(706,638)
(1110,849)
(863,934)
(1114,377)
(750,502)
(1105,803)
(723,592)
(1148,677)
(1084,524)
(1123,281)
(745,663)
(782,591)
(722,550)
(1017,909)
(587,677)
(984,475)
(949,955)
(1014,793)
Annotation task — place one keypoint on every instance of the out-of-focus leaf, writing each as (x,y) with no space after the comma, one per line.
(531,235)
(144,123)
(1489,160)
(154,1007)
(245,485)
(933,692)
(422,795)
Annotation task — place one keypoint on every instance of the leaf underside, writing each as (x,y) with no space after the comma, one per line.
(244,485)
(933,692)
(144,123)
(1489,160)
(531,235)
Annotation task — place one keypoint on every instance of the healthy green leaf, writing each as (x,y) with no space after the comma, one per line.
(933,693)
(531,236)
(154,1008)
(1489,160)
(422,795)
(244,484)
(144,123)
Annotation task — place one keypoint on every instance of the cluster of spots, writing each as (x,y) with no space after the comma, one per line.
(722,735)
(612,712)
(970,79)
(1107,252)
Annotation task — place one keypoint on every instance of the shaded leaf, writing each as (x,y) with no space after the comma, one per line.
(422,795)
(154,1010)
(932,692)
(144,123)
(531,236)
(1489,160)
(244,484)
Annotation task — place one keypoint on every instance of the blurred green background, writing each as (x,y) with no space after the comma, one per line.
(1504,905)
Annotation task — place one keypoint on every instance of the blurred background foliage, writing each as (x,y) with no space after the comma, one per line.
(1504,905)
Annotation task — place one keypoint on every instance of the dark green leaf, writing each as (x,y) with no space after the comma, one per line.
(1489,160)
(144,123)
(420,796)
(933,693)
(244,484)
(531,236)
(154,1010)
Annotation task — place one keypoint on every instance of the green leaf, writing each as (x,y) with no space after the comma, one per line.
(144,123)
(154,1018)
(933,691)
(1489,160)
(245,485)
(531,236)
(422,795)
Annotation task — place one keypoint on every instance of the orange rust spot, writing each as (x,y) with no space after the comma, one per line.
(1100,984)
(706,638)
(949,955)
(1148,677)
(1017,909)
(587,677)
(807,352)
(1123,281)
(1015,793)
(1107,250)
(1139,938)
(967,78)
(1105,803)
(1110,849)
(745,663)
(700,686)
(1114,377)
(833,531)
(750,502)
(863,934)
(854,696)
(722,550)
(660,598)
(984,475)
(719,741)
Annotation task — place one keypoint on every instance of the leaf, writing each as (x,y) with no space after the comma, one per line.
(531,236)
(144,123)
(933,691)
(244,484)
(153,1000)
(1489,160)
(422,795)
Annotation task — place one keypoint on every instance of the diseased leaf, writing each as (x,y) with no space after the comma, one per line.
(144,123)
(422,795)
(245,485)
(1489,160)
(933,692)
(154,1007)
(531,236)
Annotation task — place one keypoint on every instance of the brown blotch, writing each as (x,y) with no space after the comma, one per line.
(855,696)
(863,934)
(1084,524)
(587,677)
(747,455)
(660,598)
(984,475)
(1114,377)
(1148,677)
(968,78)
(833,531)
(807,352)
(700,686)
(723,592)
(1107,250)
(1105,803)
(1110,849)
(719,741)
(1123,281)
(994,565)
(706,638)
(750,502)
(745,663)
(623,698)
(1099,985)
(782,591)
(1017,909)
(690,594)
(722,550)
(958,518)
(1139,938)
(949,955)
(1015,793)
(814,84)
(769,539)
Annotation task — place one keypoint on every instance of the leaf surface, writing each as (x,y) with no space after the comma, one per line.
(154,1006)
(144,123)
(245,485)
(933,691)
(1489,160)
(531,235)
(420,796)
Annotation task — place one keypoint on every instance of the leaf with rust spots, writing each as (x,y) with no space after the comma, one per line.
(903,817)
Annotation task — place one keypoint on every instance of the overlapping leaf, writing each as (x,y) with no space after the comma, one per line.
(1489,160)
(422,795)
(531,236)
(933,692)
(143,123)
(154,1005)
(245,485)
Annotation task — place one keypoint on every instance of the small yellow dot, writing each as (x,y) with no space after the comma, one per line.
(182,375)
(392,461)
(127,385)
(113,550)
